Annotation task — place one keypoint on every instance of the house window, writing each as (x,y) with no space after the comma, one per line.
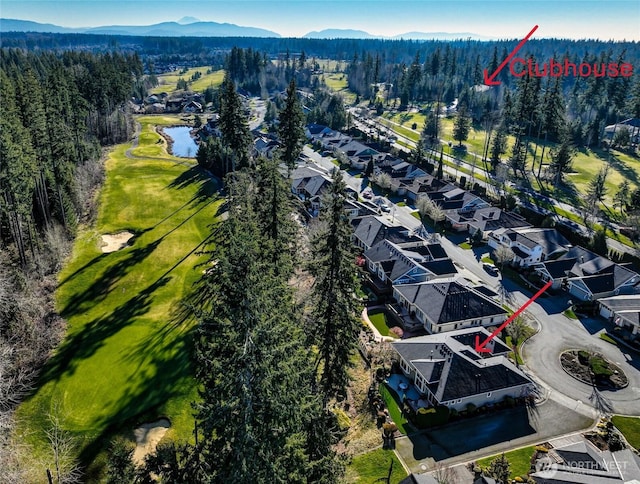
(489,394)
(459,400)
(491,320)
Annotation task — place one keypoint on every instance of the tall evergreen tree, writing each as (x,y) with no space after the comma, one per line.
(498,146)
(274,217)
(291,128)
(252,361)
(461,125)
(233,125)
(440,172)
(334,325)
(561,159)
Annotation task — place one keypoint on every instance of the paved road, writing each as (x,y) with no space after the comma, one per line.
(557,332)
(527,197)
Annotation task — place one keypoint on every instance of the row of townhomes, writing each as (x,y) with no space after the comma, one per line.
(440,312)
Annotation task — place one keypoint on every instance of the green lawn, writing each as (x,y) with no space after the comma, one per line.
(374,467)
(630,428)
(125,358)
(379,320)
(393,405)
(519,460)
(167,82)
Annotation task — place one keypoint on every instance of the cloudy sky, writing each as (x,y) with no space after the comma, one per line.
(606,20)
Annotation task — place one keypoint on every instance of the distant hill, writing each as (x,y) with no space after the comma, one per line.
(164,29)
(440,36)
(340,34)
(13,25)
(361,34)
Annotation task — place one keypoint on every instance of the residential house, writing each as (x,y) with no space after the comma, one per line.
(484,220)
(457,199)
(370,230)
(359,155)
(529,244)
(584,463)
(588,276)
(393,264)
(447,304)
(357,210)
(446,369)
(265,146)
(309,183)
(192,107)
(424,185)
(624,311)
(600,282)
(631,124)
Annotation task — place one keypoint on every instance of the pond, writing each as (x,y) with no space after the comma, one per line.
(183,145)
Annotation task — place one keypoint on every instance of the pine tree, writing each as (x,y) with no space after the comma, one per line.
(561,159)
(334,323)
(252,360)
(597,189)
(461,126)
(274,216)
(498,146)
(233,125)
(499,469)
(439,172)
(291,128)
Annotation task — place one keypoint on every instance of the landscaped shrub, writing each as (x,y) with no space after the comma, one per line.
(583,357)
(432,416)
(509,401)
(471,408)
(600,367)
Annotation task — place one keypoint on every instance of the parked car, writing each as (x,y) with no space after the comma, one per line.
(367,194)
(490,268)
(384,207)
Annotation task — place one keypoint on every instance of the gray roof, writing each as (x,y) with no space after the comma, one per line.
(449,301)
(373,229)
(622,303)
(453,369)
(550,240)
(559,268)
(583,463)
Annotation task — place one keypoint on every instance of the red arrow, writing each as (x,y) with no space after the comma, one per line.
(480,347)
(489,79)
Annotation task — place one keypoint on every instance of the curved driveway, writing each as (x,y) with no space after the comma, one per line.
(557,333)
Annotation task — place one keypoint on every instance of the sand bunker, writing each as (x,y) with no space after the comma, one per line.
(147,437)
(114,242)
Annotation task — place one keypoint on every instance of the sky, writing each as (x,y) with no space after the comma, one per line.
(602,19)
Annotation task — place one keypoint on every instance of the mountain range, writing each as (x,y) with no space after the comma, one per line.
(192,27)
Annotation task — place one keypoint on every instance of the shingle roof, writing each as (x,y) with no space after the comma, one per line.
(622,303)
(453,369)
(445,301)
(441,267)
(373,229)
(559,268)
(467,378)
(549,239)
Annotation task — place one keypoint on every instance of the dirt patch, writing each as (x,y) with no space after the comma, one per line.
(147,437)
(115,242)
